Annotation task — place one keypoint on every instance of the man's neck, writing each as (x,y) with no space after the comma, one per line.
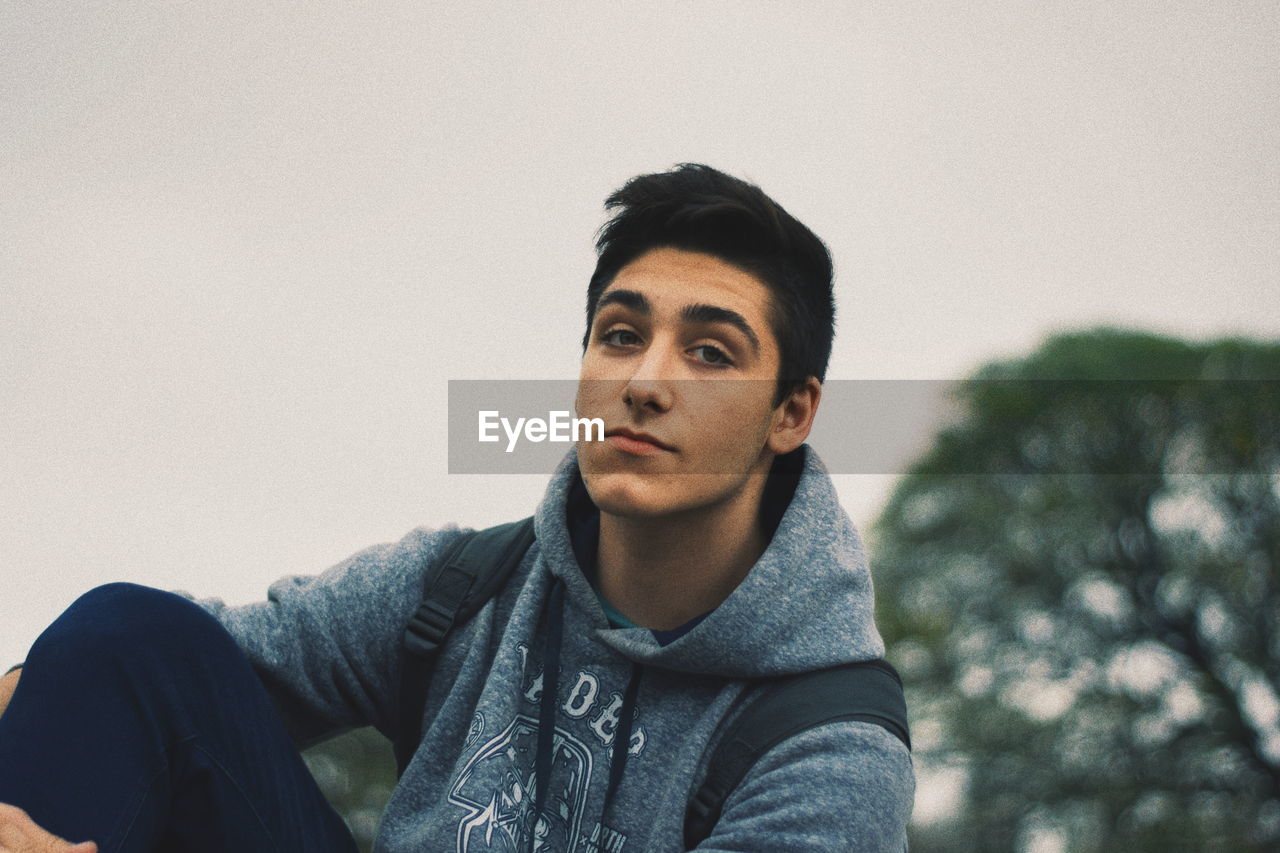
(662,572)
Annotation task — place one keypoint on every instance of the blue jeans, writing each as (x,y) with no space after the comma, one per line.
(139,724)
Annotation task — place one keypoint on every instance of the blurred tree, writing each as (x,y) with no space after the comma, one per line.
(1080,584)
(356,772)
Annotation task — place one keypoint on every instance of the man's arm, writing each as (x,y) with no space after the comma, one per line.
(8,683)
(327,646)
(844,786)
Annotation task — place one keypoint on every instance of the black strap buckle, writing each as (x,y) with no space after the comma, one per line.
(427,628)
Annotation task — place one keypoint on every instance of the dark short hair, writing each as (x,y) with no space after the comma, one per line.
(699,209)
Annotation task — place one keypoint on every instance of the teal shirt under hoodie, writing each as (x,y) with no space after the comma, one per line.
(327,649)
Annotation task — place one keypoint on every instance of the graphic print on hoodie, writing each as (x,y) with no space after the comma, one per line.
(495,784)
(528,700)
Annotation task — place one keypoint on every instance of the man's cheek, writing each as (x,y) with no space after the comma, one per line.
(588,403)
(594,458)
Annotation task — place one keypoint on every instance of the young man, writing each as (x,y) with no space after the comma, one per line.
(697,548)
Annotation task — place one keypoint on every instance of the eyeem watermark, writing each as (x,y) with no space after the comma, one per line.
(1037,427)
(557,427)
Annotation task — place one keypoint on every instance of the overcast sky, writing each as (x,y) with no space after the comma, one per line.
(243,247)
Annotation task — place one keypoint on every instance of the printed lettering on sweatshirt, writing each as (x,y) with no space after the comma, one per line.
(496,788)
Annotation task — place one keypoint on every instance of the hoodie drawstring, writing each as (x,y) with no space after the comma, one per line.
(547,707)
(621,741)
(547,718)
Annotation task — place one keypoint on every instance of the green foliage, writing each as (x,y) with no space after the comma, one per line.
(356,772)
(1080,584)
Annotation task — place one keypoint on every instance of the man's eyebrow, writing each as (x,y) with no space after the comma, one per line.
(702,314)
(626,298)
(699,313)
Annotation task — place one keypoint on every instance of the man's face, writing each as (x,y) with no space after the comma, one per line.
(681,365)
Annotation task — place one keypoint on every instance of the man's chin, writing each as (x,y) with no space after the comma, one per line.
(626,496)
(631,495)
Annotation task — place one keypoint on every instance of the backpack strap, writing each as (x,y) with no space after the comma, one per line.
(866,691)
(455,588)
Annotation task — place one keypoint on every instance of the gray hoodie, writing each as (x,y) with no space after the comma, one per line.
(327,648)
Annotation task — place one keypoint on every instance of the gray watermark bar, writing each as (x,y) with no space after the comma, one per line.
(863,426)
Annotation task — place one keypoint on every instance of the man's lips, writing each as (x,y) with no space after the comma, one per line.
(637,443)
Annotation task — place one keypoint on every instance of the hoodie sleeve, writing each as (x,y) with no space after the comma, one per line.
(844,786)
(327,646)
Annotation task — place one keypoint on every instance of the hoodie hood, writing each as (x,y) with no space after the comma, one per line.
(806,604)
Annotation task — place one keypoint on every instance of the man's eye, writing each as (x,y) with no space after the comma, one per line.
(620,337)
(713,355)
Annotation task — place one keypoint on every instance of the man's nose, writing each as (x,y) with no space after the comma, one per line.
(650,384)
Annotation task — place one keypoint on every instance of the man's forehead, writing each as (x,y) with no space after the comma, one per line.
(683,278)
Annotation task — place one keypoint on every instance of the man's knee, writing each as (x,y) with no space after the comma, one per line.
(125,621)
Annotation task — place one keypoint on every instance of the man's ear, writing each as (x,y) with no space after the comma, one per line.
(793,418)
